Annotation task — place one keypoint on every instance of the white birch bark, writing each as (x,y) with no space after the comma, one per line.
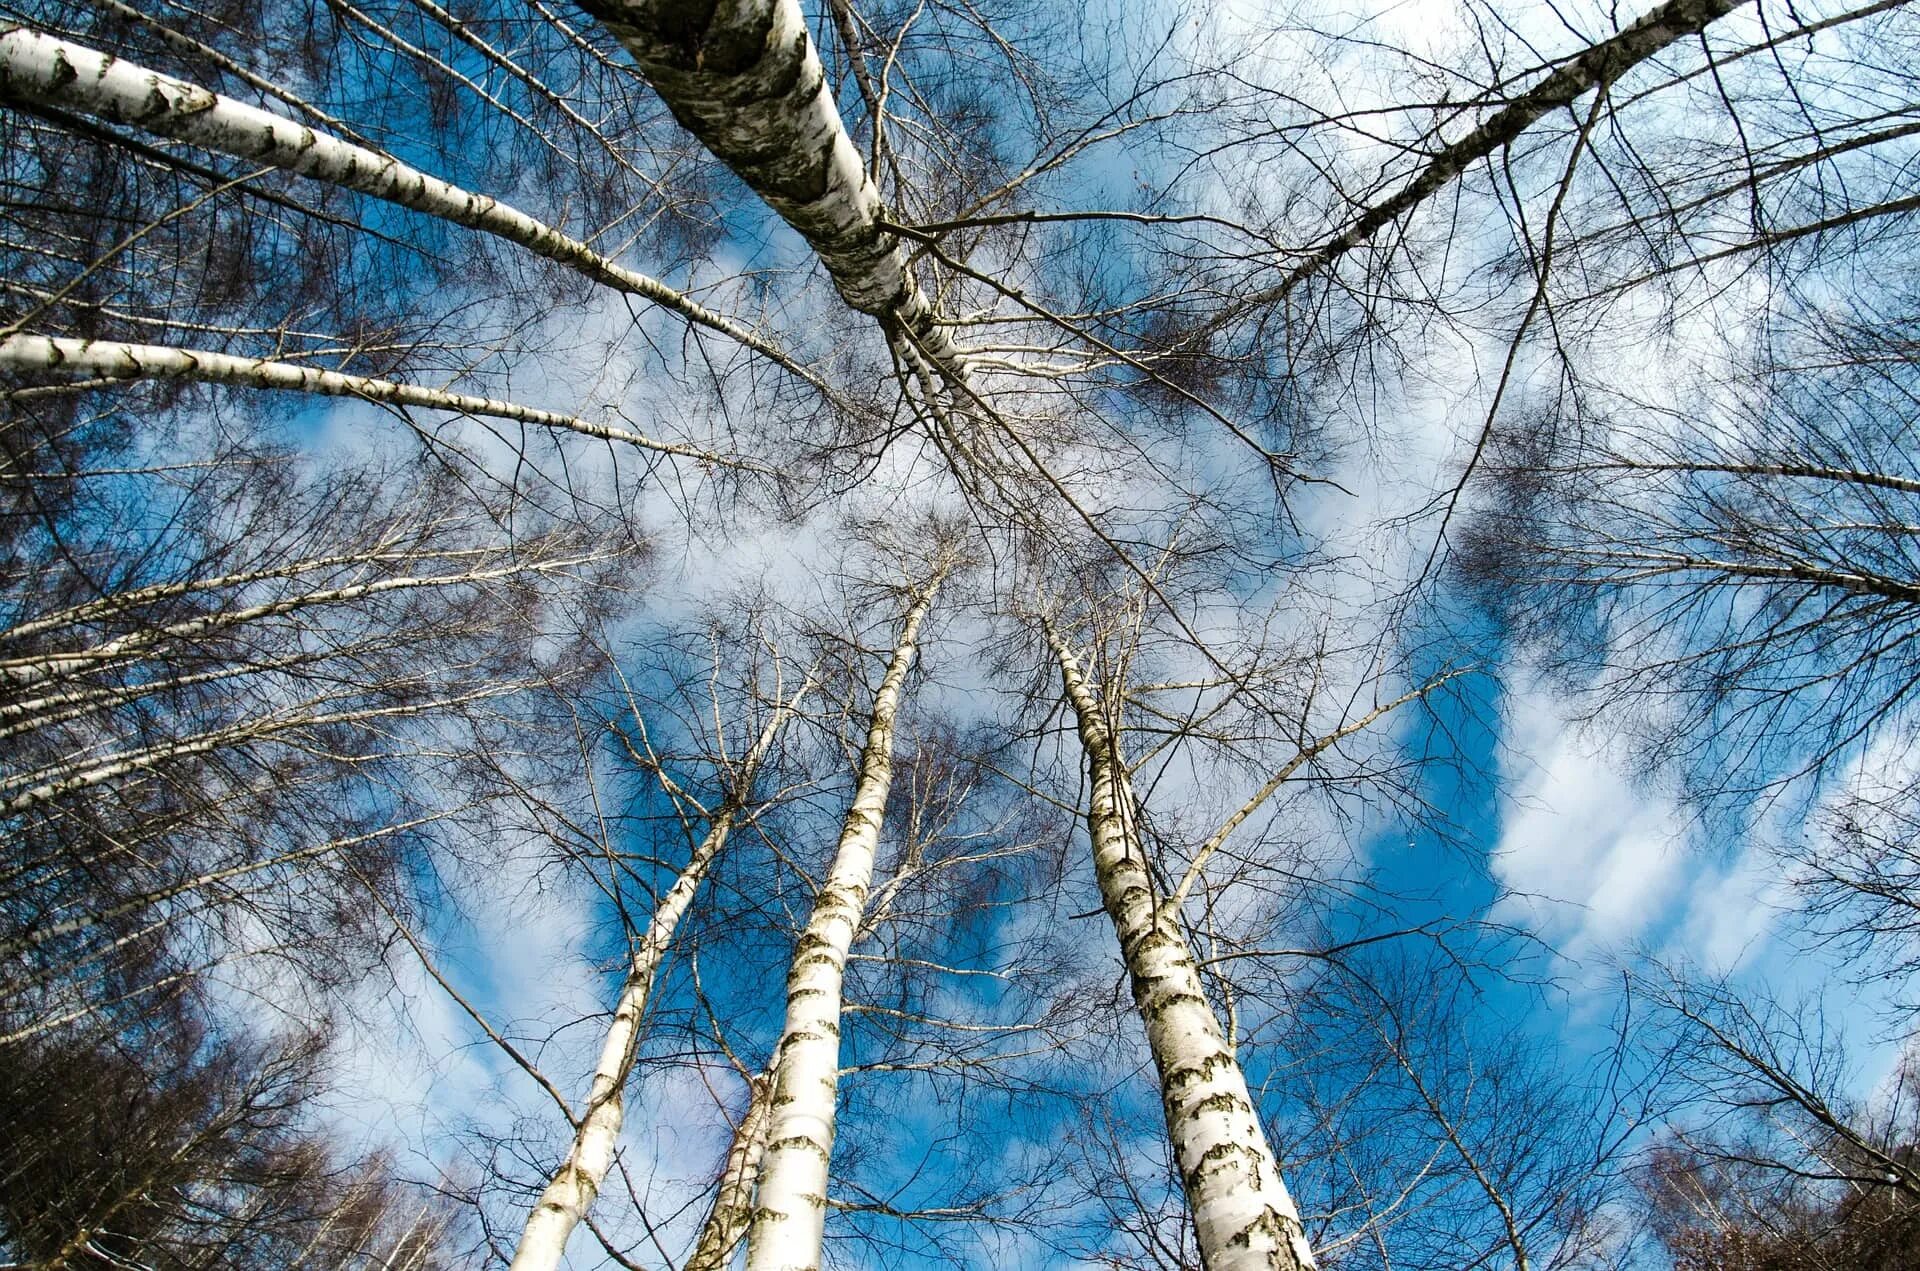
(745,79)
(570,1193)
(44,70)
(64,703)
(789,1213)
(1598,64)
(123,602)
(195,49)
(1244,1219)
(732,1208)
(114,360)
(20,672)
(76,775)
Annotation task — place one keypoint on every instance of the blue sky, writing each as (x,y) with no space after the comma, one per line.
(1529,857)
(1545,826)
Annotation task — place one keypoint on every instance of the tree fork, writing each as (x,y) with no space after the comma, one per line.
(571,1191)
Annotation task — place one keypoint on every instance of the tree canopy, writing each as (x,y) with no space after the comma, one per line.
(936,632)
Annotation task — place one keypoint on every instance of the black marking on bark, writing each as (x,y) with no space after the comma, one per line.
(1201,1071)
(1210,1160)
(1225,1101)
(734,50)
(1174,999)
(798,1143)
(1271,1223)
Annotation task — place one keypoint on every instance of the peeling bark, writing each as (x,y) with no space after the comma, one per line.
(1244,1219)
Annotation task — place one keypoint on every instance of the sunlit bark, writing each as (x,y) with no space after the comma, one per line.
(1243,1216)
(571,1191)
(113,360)
(732,1208)
(746,80)
(790,1209)
(1593,67)
(43,70)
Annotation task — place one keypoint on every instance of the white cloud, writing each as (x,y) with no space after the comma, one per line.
(1588,856)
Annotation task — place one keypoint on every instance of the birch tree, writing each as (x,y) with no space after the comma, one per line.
(790,1197)
(573,1187)
(958,1002)
(166,711)
(41,70)
(1109,291)
(1242,1212)
(732,1209)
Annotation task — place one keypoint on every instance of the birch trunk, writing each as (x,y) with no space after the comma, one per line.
(789,1211)
(75,775)
(43,70)
(25,671)
(114,360)
(745,79)
(1243,1217)
(1593,67)
(733,1202)
(571,1191)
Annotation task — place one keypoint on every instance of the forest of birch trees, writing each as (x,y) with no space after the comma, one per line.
(683,634)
